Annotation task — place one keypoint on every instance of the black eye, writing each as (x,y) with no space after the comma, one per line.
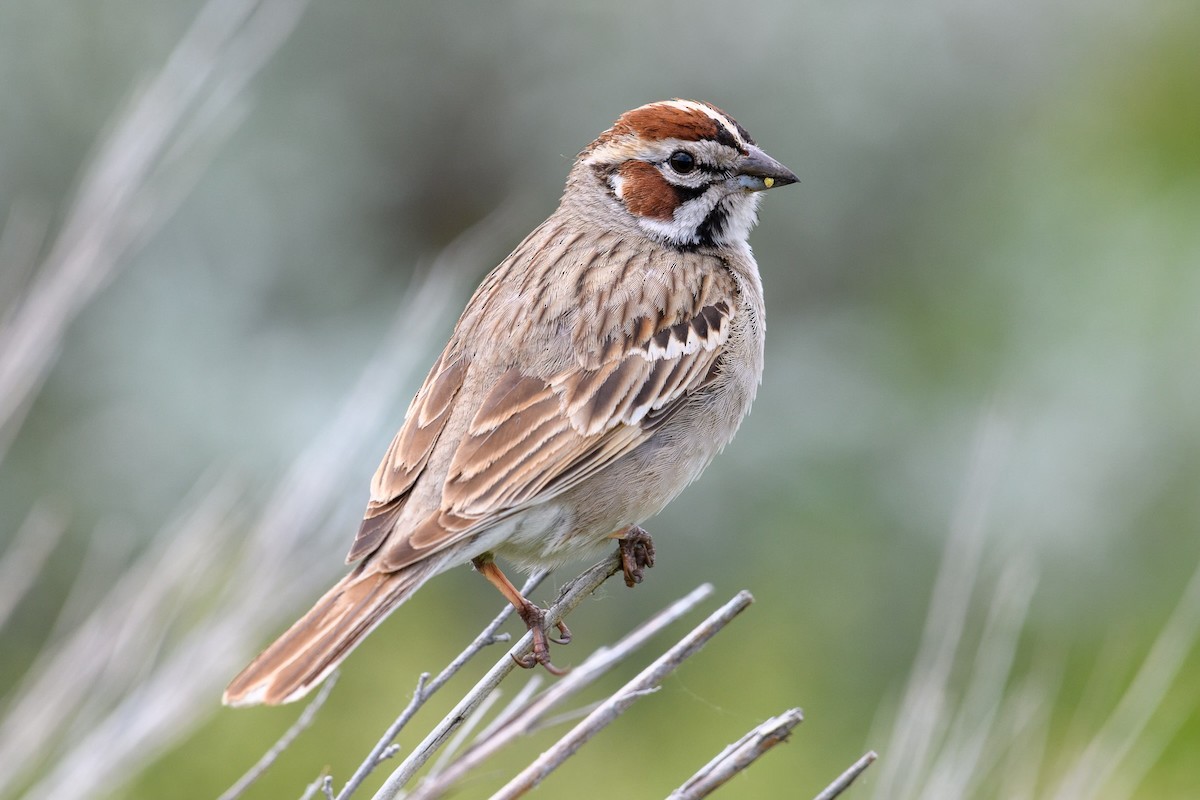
(682,162)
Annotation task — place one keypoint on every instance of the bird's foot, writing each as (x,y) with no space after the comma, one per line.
(637,553)
(535,619)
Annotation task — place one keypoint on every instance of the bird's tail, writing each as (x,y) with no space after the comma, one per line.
(310,649)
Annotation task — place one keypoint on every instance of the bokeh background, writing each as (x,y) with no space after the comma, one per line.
(235,233)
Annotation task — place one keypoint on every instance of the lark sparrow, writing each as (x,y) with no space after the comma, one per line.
(593,375)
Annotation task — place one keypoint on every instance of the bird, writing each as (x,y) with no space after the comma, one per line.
(594,374)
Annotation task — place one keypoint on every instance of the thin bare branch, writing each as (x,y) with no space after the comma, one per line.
(513,708)
(464,732)
(571,595)
(616,705)
(567,716)
(323,784)
(303,721)
(739,755)
(848,777)
(319,784)
(425,688)
(526,720)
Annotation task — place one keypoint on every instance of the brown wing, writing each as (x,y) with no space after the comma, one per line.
(533,438)
(409,452)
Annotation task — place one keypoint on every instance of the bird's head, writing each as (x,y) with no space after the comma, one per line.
(686,172)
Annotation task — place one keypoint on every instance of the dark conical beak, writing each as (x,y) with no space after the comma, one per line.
(758,171)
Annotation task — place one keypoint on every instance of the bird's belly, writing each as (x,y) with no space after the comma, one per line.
(579,523)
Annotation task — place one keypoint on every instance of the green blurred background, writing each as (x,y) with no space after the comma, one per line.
(999,217)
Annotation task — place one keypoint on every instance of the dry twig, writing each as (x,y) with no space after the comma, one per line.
(739,755)
(524,716)
(571,595)
(268,758)
(426,688)
(617,704)
(323,784)
(526,720)
(848,777)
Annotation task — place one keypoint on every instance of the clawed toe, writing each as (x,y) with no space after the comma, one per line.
(637,554)
(535,619)
(526,661)
(564,633)
(529,661)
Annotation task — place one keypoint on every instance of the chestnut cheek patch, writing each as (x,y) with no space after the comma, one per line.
(645,192)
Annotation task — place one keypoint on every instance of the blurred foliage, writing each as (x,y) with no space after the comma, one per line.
(998,210)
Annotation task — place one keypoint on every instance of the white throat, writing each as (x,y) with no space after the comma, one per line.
(718,217)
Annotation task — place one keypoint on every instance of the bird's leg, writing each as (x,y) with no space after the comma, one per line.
(637,553)
(533,617)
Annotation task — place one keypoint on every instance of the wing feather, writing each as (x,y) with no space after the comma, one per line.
(408,454)
(639,339)
(559,431)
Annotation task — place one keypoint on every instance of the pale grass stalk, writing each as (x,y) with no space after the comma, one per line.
(118,202)
(991,741)
(109,550)
(152,689)
(1027,729)
(972,743)
(21,238)
(921,718)
(1124,728)
(25,555)
(1150,746)
(104,658)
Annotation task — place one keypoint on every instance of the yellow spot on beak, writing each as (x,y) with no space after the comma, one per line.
(768,182)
